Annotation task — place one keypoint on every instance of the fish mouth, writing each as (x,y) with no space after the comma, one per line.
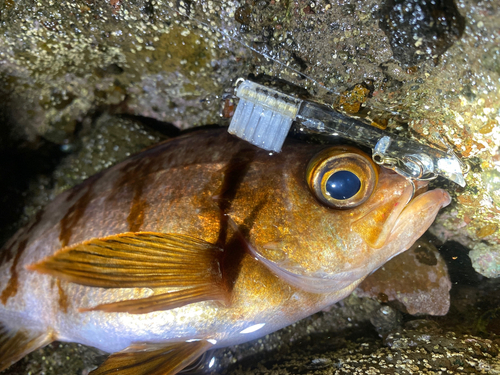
(418,216)
(409,225)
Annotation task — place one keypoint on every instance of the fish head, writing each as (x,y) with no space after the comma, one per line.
(331,219)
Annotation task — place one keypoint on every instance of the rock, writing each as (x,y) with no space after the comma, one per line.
(421,29)
(63,62)
(386,319)
(405,351)
(418,279)
(486,259)
(59,358)
(106,142)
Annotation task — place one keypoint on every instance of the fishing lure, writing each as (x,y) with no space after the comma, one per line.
(264,116)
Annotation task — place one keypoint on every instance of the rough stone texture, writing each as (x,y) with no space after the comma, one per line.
(57,359)
(418,279)
(108,141)
(62,62)
(420,29)
(402,352)
(486,259)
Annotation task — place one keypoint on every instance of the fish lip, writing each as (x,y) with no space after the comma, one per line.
(429,197)
(405,194)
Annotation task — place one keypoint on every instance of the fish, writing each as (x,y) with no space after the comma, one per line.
(201,242)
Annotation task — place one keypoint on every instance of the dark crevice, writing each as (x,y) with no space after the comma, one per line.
(21,161)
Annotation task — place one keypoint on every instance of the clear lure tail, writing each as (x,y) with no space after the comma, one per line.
(264,116)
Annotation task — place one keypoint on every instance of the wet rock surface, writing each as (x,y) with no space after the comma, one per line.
(65,62)
(402,352)
(417,279)
(421,30)
(68,69)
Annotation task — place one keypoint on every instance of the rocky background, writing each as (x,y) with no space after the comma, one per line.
(84,84)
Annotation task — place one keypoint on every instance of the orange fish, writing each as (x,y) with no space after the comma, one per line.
(201,242)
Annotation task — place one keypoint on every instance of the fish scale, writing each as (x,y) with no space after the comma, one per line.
(261,251)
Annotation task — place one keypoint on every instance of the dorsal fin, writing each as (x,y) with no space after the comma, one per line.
(143,259)
(153,359)
(15,344)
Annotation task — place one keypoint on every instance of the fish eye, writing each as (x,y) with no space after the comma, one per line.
(342,177)
(342,185)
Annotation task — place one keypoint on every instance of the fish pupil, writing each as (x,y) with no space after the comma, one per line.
(343,185)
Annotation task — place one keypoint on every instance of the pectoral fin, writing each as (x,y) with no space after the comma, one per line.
(14,345)
(164,301)
(142,260)
(153,359)
(130,260)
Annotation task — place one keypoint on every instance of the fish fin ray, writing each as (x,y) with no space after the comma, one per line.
(164,301)
(140,259)
(14,345)
(153,359)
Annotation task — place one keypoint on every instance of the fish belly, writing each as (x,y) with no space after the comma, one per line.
(261,303)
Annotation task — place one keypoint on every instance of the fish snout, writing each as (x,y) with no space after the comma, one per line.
(422,210)
(393,195)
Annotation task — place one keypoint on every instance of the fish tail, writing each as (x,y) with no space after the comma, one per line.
(17,343)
